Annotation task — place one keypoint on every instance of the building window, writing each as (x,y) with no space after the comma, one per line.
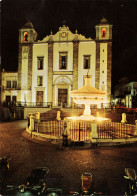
(103,32)
(40,61)
(87,62)
(40,81)
(25,36)
(8,84)
(102,71)
(14,84)
(63,60)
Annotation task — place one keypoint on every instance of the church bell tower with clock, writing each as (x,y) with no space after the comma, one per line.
(104,57)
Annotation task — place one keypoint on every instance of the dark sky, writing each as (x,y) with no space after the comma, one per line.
(83,15)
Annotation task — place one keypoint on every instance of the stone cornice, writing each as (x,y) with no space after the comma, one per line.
(62,72)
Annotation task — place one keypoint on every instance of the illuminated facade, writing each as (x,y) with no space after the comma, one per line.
(49,69)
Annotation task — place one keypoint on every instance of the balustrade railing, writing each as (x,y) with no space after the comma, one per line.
(81,131)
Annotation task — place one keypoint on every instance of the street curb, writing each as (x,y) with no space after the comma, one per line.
(100,142)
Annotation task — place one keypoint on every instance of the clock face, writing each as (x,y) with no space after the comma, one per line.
(63,34)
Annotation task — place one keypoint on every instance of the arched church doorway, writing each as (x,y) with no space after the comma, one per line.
(62,97)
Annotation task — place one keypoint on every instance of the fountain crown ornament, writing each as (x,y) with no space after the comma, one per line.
(87,79)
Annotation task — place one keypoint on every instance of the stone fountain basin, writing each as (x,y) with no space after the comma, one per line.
(86,118)
(87,100)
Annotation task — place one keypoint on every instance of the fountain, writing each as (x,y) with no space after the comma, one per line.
(87,95)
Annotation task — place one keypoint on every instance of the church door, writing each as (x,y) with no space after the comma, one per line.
(39,98)
(62,97)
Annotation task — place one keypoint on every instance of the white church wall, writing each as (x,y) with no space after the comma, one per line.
(86,48)
(40,50)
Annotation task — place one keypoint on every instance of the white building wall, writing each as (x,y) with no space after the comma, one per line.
(103,65)
(8,76)
(24,70)
(40,50)
(86,48)
(103,68)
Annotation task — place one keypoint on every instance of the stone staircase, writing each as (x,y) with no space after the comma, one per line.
(52,114)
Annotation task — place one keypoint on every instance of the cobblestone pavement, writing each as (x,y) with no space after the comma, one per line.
(107,164)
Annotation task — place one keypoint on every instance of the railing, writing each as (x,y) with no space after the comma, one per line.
(82,131)
(114,130)
(26,104)
(54,128)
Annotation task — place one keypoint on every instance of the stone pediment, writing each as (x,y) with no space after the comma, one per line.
(65,35)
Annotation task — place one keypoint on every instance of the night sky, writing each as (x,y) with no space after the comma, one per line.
(83,15)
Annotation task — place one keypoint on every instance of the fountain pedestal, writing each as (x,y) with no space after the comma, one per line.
(87,110)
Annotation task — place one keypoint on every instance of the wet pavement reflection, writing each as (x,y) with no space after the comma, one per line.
(106,164)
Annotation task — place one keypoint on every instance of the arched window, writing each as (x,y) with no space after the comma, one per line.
(103,32)
(25,36)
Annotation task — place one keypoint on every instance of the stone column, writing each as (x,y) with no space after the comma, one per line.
(94,134)
(135,133)
(31,127)
(109,65)
(50,71)
(68,128)
(97,81)
(29,114)
(123,118)
(75,65)
(37,114)
(58,115)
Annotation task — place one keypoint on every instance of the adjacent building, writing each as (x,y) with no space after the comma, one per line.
(125,93)
(49,69)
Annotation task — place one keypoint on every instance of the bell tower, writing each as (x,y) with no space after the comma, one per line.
(104,57)
(27,36)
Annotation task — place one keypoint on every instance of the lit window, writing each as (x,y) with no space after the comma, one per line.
(63,60)
(40,81)
(87,62)
(40,61)
(8,84)
(14,84)
(103,32)
(25,36)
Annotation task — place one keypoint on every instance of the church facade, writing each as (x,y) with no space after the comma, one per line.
(49,69)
